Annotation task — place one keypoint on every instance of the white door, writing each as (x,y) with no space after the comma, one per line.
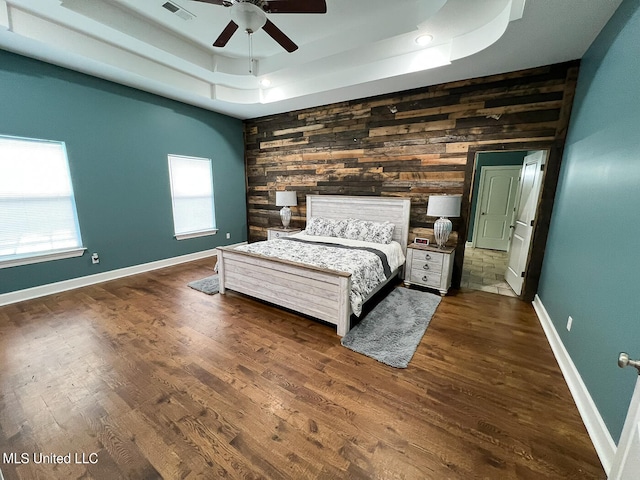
(494,211)
(626,464)
(525,213)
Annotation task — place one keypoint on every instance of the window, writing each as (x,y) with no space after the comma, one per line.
(192,196)
(38,218)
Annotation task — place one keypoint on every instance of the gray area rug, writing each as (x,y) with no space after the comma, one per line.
(391,332)
(208,285)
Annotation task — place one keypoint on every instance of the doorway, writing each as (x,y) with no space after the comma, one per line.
(483,269)
(489,235)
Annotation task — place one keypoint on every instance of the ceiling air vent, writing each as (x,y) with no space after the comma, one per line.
(179,11)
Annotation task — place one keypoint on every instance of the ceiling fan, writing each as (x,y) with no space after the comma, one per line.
(251,15)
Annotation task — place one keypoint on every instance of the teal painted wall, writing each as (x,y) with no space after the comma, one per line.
(117,141)
(591,268)
(489,159)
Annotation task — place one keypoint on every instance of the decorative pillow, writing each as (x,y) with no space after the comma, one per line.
(326,227)
(339,228)
(368,231)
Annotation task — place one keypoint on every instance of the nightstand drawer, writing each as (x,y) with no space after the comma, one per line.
(427,261)
(426,278)
(280,232)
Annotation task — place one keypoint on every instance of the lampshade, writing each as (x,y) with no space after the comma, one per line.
(444,205)
(248,16)
(286,199)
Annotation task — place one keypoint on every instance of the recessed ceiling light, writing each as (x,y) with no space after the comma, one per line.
(265,82)
(424,39)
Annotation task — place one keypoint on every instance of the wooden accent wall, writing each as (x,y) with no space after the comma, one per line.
(410,144)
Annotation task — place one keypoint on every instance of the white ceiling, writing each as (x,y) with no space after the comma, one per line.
(359,48)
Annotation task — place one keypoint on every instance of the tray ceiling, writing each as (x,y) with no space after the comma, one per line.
(358,48)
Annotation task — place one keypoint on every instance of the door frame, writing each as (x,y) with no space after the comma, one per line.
(480,193)
(630,428)
(545,208)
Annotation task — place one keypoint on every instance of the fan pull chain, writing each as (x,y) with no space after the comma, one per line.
(250,52)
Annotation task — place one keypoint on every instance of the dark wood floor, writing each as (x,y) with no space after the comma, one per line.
(157,380)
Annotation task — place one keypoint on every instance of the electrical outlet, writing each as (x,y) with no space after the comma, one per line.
(228,235)
(569,323)
(95,258)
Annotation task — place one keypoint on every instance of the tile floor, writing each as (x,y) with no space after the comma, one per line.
(484,270)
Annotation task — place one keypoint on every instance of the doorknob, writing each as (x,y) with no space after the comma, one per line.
(624,360)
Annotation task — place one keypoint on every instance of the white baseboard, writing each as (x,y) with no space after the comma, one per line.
(52,288)
(598,431)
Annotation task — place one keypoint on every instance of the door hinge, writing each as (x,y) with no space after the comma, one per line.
(522,274)
(532,222)
(542,167)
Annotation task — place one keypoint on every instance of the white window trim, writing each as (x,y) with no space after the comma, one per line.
(203,233)
(45,257)
(199,233)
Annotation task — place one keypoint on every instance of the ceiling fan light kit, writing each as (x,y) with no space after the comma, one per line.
(248,16)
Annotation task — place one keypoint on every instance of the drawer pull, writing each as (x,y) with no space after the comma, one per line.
(425,266)
(427,257)
(424,278)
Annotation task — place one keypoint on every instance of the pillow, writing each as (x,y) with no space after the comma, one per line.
(326,227)
(368,231)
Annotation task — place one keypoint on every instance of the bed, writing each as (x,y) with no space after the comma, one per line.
(323,293)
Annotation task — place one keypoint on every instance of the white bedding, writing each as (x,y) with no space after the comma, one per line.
(392,250)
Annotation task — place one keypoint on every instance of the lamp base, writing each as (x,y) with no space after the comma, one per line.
(285,216)
(441,230)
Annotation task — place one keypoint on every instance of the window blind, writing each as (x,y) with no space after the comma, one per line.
(192,196)
(37,207)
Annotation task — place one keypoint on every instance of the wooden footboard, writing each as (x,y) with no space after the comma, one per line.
(314,291)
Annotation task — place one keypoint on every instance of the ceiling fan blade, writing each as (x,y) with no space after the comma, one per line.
(226,34)
(279,36)
(226,3)
(296,6)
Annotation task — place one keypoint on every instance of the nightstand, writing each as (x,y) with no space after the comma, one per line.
(429,266)
(279,232)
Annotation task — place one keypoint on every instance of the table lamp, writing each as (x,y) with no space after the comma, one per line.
(285,200)
(443,206)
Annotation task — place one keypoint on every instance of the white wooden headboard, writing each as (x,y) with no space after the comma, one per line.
(377,209)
